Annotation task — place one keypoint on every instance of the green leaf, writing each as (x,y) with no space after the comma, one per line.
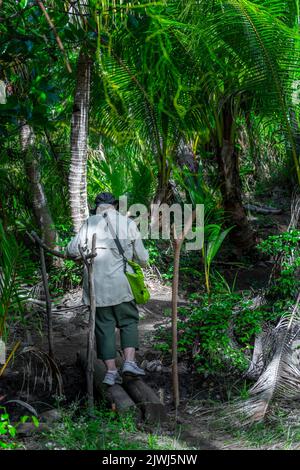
(12,430)
(35,421)
(24,419)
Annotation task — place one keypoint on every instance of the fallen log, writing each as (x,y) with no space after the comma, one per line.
(152,409)
(116,395)
(134,394)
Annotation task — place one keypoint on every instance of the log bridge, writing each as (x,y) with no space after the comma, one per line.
(133,396)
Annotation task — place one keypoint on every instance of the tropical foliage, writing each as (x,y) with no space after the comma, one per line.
(164,101)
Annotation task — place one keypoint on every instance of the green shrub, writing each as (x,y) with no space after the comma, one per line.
(8,430)
(68,273)
(17,270)
(215,332)
(287,245)
(65,277)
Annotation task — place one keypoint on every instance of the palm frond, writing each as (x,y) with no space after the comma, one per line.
(40,369)
(16,269)
(280,378)
(251,52)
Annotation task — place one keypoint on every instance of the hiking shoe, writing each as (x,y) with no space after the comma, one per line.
(132,368)
(112,378)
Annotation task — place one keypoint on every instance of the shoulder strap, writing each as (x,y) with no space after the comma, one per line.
(116,239)
(86,235)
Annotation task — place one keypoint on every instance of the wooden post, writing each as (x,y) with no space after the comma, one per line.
(37,241)
(48,302)
(175,381)
(178,241)
(91,333)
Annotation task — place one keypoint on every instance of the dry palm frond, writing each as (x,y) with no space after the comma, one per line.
(262,340)
(279,380)
(39,365)
(281,377)
(23,404)
(258,357)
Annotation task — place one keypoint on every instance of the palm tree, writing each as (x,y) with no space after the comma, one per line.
(247,57)
(79,142)
(82,15)
(230,183)
(168,79)
(147,91)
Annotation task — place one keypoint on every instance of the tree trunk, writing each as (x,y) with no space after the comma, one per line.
(166,190)
(186,158)
(91,332)
(295,129)
(175,379)
(163,195)
(228,162)
(38,197)
(79,138)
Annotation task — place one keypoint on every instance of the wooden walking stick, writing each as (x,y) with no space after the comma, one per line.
(89,263)
(88,260)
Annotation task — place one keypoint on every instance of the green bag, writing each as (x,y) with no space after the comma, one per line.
(137,283)
(135,279)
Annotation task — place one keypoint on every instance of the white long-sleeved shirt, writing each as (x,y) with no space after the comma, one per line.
(111,284)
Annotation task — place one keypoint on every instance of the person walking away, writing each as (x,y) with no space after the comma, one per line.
(115,304)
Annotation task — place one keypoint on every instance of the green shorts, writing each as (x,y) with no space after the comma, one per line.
(124,316)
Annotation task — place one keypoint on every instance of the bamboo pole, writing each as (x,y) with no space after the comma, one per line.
(16,346)
(175,381)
